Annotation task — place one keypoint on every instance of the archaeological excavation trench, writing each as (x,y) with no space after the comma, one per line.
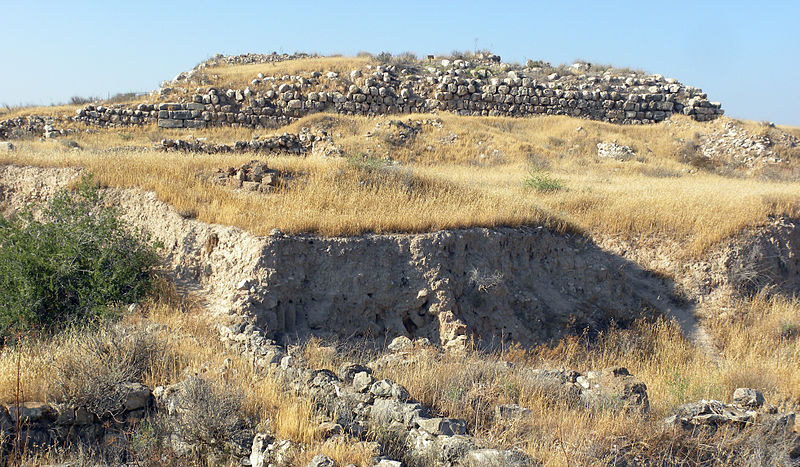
(483,286)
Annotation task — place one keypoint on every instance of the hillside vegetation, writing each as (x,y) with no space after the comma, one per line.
(451,172)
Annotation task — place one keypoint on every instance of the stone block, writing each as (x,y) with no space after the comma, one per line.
(135,396)
(362,381)
(169,123)
(31,412)
(194,123)
(748,397)
(443,426)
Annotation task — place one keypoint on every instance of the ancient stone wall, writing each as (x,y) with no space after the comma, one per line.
(461,87)
(40,425)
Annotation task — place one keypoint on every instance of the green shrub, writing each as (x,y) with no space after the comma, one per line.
(69,263)
(543,181)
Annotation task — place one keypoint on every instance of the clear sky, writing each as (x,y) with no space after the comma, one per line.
(745,54)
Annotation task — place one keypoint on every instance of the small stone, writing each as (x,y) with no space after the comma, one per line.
(493,457)
(510,411)
(349,370)
(329,429)
(259,452)
(400,344)
(362,381)
(748,397)
(135,396)
(382,388)
(31,412)
(321,460)
(385,462)
(443,426)
(400,393)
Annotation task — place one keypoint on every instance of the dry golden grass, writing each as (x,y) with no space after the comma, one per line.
(239,76)
(438,181)
(43,110)
(792,130)
(192,348)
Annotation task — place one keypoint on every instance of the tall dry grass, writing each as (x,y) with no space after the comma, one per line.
(239,76)
(469,172)
(190,347)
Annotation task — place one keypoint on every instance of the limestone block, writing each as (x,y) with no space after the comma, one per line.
(195,123)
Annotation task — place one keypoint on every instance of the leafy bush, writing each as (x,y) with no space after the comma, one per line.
(543,181)
(70,262)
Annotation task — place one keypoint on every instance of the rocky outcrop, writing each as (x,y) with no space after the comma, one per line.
(748,408)
(610,389)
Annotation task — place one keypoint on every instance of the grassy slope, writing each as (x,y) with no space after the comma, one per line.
(469,172)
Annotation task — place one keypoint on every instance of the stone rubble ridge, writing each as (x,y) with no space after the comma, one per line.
(355,401)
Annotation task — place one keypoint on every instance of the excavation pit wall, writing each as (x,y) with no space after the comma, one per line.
(488,286)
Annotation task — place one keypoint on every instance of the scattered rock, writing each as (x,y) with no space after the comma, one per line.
(400,344)
(135,396)
(328,429)
(253,176)
(612,150)
(362,381)
(382,388)
(746,410)
(31,412)
(495,457)
(321,460)
(443,426)
(510,411)
(748,398)
(614,389)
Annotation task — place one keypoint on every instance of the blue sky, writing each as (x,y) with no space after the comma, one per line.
(743,54)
